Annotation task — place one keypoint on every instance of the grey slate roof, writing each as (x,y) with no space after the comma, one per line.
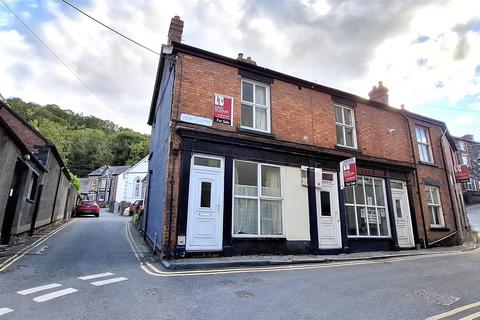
(98,172)
(118,170)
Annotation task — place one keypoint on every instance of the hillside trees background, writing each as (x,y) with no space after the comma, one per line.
(84,142)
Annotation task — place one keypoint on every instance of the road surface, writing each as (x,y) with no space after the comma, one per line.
(88,270)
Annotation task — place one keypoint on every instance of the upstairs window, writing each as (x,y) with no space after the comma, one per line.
(424,147)
(465,160)
(434,207)
(345,122)
(255,113)
(462,145)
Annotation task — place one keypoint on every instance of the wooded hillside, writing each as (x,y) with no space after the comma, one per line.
(85,142)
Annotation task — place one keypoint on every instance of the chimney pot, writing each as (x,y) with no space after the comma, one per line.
(176,30)
(240,56)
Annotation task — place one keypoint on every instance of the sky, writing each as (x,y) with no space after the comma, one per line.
(426,52)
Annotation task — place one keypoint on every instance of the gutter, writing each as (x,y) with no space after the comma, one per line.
(449,187)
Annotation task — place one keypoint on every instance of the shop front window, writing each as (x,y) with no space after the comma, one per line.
(365,208)
(257,200)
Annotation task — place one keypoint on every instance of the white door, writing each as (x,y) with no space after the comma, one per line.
(401,210)
(328,216)
(205,204)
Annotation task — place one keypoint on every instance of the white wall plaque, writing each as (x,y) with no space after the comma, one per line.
(196,119)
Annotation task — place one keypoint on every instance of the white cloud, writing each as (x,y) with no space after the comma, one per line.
(335,43)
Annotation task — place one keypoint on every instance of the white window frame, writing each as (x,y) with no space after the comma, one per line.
(254,105)
(441,223)
(465,159)
(259,197)
(137,183)
(355,205)
(343,125)
(428,144)
(462,146)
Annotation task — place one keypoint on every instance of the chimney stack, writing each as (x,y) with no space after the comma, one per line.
(468,137)
(379,94)
(176,29)
(247,60)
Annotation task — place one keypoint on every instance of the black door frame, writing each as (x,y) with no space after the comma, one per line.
(16,187)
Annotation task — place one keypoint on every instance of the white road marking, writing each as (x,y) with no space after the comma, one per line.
(108,281)
(21,253)
(5,311)
(55,294)
(94,276)
(40,288)
(454,311)
(472,316)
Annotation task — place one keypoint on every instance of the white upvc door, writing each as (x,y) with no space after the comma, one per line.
(403,219)
(205,204)
(328,215)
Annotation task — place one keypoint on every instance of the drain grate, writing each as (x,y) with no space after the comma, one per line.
(432,297)
(244,294)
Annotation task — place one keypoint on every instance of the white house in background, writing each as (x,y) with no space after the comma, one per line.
(129,183)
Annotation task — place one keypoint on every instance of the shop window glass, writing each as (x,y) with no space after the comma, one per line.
(366,209)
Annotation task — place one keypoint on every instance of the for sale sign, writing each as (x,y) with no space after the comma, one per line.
(348,173)
(461,173)
(222,109)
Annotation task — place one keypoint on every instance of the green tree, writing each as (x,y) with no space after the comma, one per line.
(76,182)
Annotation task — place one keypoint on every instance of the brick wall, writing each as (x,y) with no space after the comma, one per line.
(298,114)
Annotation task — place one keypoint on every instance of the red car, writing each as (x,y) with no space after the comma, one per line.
(87,207)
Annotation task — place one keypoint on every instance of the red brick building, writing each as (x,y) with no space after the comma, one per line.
(246,160)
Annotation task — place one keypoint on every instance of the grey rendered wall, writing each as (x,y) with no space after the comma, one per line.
(48,195)
(158,162)
(8,158)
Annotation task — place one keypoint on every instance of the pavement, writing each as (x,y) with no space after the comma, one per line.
(473,213)
(99,269)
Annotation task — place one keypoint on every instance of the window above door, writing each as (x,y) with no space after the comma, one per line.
(255,110)
(345,126)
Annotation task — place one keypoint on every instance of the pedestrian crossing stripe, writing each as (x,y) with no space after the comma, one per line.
(458,310)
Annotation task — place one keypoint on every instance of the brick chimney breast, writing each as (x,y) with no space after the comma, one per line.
(379,94)
(176,29)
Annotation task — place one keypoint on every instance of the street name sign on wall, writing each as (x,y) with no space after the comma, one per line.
(222,109)
(348,173)
(461,173)
(196,119)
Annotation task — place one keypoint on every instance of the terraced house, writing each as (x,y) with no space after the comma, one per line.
(246,160)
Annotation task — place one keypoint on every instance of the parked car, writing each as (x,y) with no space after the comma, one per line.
(87,207)
(136,206)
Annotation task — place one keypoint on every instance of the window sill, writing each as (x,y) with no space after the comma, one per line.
(431,164)
(259,238)
(369,237)
(344,148)
(434,228)
(254,132)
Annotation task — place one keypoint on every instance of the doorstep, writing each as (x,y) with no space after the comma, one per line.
(275,260)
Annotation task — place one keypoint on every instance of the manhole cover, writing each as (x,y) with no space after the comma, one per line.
(252,280)
(151,291)
(432,297)
(229,282)
(244,294)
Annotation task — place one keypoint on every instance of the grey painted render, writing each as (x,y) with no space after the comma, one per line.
(159,151)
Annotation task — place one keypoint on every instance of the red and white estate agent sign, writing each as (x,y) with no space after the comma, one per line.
(348,173)
(222,109)
(461,173)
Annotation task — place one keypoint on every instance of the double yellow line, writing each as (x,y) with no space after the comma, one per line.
(150,269)
(7,263)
